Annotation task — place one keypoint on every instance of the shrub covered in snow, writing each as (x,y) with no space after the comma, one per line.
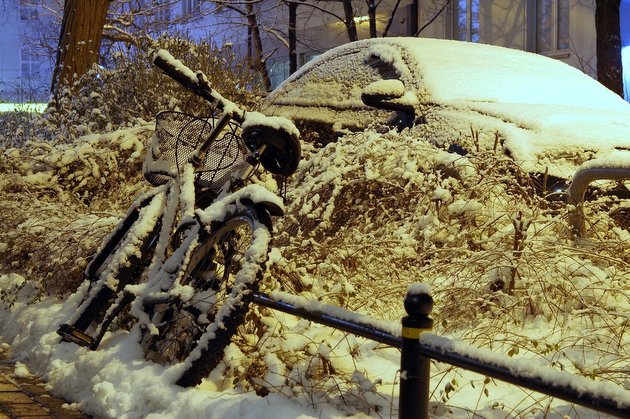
(60,200)
(372,213)
(130,91)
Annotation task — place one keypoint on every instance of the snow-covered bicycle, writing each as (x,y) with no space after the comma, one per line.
(188,255)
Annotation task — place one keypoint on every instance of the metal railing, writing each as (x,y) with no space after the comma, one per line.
(417,352)
(581,179)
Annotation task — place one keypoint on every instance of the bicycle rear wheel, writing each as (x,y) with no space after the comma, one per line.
(224,269)
(130,249)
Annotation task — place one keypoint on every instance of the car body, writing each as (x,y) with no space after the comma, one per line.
(549,117)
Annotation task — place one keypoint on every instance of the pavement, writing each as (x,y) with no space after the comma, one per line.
(26,396)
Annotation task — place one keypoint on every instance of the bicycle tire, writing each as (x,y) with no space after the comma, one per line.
(100,297)
(198,330)
(101,302)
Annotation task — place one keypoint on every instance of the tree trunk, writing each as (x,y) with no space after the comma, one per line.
(372,18)
(292,38)
(257,45)
(608,30)
(79,40)
(349,17)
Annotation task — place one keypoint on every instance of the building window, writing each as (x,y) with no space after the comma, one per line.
(163,12)
(28,11)
(190,6)
(278,71)
(466,20)
(305,57)
(552,26)
(29,62)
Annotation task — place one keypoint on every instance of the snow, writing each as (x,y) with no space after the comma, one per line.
(548,116)
(315,306)
(528,368)
(392,87)
(369,218)
(419,288)
(276,122)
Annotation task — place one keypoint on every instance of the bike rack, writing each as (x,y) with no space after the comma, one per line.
(582,178)
(417,352)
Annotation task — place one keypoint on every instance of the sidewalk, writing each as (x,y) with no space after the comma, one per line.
(26,397)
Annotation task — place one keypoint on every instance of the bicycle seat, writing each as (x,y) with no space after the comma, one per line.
(283,152)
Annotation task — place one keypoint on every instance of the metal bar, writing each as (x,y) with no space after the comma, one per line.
(367,331)
(445,355)
(582,178)
(602,404)
(217,130)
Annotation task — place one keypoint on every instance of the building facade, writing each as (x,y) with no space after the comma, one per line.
(29,35)
(562,29)
(25,62)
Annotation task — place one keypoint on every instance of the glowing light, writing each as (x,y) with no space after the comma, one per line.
(361,19)
(23,107)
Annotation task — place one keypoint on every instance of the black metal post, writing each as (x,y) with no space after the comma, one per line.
(414,368)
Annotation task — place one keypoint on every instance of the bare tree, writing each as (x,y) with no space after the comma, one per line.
(348,12)
(79,40)
(247,9)
(608,43)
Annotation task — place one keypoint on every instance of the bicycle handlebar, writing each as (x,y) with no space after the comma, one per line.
(195,82)
(276,138)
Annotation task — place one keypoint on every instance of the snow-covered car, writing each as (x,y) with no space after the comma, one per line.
(546,115)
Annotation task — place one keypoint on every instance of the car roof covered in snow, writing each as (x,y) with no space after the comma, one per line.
(454,71)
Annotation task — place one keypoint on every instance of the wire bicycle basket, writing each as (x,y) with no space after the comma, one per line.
(177,138)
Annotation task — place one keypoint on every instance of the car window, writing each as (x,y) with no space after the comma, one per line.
(336,83)
(386,69)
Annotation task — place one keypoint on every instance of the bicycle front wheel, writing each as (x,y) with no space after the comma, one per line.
(223,271)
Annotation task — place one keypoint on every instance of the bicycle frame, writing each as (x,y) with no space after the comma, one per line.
(167,223)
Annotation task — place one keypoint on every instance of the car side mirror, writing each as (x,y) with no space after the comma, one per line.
(388,94)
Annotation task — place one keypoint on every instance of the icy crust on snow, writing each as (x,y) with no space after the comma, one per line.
(531,368)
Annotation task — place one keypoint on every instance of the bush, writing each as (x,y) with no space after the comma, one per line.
(131,92)
(67,175)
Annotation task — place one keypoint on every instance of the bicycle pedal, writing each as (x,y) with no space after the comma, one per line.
(70,333)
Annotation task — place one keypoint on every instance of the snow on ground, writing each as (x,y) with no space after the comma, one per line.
(366,217)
